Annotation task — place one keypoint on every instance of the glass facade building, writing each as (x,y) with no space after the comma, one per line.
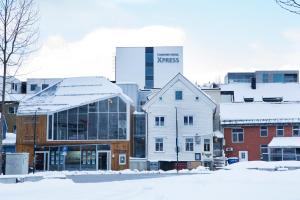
(102,120)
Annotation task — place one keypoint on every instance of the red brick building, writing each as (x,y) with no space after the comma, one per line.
(250,127)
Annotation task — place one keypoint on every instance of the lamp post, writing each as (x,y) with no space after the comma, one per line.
(34,140)
(177,150)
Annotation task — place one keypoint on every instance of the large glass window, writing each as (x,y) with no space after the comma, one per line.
(149,68)
(101,120)
(237,135)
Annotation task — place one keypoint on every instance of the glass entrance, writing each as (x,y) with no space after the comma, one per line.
(41,161)
(103,161)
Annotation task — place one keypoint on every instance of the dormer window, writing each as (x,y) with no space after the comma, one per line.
(272,99)
(248,99)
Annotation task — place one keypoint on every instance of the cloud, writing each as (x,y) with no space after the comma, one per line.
(93,55)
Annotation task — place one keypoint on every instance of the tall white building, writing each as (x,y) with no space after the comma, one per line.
(149,67)
(180,100)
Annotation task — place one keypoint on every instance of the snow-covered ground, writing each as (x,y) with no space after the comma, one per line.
(236,183)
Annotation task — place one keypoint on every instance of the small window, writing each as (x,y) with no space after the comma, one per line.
(188,120)
(159,144)
(159,121)
(196,98)
(189,144)
(263,131)
(11,110)
(206,144)
(160,98)
(296,130)
(248,99)
(45,86)
(33,87)
(279,131)
(237,135)
(122,159)
(178,95)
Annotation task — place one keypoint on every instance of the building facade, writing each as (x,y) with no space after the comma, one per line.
(153,67)
(76,124)
(179,116)
(276,76)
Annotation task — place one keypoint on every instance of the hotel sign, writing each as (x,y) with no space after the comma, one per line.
(168,58)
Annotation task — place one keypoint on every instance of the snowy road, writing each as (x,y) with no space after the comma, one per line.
(92,178)
(238,183)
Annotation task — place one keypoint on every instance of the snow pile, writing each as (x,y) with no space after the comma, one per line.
(10,139)
(276,165)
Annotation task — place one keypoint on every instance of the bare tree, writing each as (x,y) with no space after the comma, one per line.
(18,34)
(292,6)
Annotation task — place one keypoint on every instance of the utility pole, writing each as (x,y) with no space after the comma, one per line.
(177,150)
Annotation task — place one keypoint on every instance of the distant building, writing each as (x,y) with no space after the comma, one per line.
(148,67)
(276,76)
(261,121)
(35,85)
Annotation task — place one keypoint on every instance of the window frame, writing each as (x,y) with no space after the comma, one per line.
(260,131)
(160,144)
(161,121)
(190,120)
(296,129)
(189,145)
(181,95)
(238,133)
(206,145)
(33,85)
(277,129)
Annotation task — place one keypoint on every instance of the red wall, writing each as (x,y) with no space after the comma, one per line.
(252,140)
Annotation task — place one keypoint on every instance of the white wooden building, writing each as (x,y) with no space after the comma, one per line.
(195,111)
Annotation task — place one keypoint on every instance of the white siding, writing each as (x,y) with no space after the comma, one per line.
(202,124)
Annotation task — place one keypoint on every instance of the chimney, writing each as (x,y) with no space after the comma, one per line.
(253,83)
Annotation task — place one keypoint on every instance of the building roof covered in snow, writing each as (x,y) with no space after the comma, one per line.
(259,112)
(286,91)
(285,142)
(70,92)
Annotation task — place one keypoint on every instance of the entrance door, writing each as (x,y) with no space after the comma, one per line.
(243,155)
(102,160)
(41,160)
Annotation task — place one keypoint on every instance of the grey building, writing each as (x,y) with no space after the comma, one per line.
(276,76)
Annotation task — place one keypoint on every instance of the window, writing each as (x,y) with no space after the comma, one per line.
(206,144)
(14,86)
(159,121)
(264,152)
(296,130)
(178,95)
(122,159)
(45,86)
(237,135)
(263,131)
(11,110)
(265,78)
(188,120)
(159,144)
(189,144)
(149,68)
(279,131)
(33,87)
(248,99)
(101,120)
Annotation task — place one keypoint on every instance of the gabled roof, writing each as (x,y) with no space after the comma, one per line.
(71,92)
(185,81)
(259,112)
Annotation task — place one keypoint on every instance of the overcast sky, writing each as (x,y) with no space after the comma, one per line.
(78,38)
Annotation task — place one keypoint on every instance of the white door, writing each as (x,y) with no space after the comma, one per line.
(243,156)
